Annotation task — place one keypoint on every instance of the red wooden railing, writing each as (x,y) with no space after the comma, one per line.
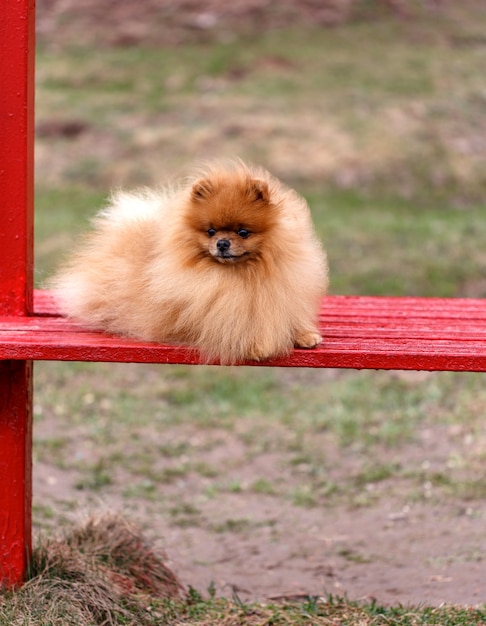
(16,251)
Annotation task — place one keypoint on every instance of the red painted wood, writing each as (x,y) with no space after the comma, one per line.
(15,470)
(16,255)
(16,156)
(359,332)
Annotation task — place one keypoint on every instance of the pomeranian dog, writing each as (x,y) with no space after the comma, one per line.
(226,262)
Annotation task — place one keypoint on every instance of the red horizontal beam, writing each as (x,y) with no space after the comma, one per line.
(359,332)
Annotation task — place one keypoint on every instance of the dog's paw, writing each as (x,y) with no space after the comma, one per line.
(256,355)
(308,339)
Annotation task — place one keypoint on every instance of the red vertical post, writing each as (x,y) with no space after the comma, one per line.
(17,54)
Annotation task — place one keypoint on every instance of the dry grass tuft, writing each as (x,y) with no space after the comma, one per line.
(118,548)
(102,572)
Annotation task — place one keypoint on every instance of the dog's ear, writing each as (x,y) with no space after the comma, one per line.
(258,190)
(202,188)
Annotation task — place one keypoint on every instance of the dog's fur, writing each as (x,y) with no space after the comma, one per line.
(227,262)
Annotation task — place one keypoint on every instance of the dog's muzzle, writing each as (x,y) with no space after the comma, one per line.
(223,245)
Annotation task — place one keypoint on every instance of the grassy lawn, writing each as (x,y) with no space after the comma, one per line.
(380,125)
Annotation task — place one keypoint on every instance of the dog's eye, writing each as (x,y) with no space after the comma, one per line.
(211,232)
(243,233)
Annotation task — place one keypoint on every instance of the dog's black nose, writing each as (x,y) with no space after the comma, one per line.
(223,245)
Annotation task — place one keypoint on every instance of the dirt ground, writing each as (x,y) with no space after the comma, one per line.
(396,554)
(395,549)
(389,555)
(413,555)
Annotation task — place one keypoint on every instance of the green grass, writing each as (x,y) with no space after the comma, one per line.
(60,213)
(384,245)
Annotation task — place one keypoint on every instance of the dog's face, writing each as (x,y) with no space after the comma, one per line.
(231,217)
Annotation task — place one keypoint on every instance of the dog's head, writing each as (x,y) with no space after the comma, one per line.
(231,215)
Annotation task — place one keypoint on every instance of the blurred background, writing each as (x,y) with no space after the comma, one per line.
(278,480)
(374,109)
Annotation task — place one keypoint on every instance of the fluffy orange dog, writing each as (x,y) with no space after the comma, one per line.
(227,263)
